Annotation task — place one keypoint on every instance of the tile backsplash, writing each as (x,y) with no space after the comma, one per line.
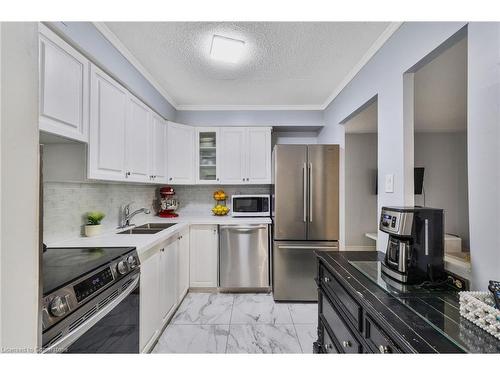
(65,204)
(198,198)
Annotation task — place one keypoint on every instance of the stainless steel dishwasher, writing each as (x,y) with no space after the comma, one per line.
(244,256)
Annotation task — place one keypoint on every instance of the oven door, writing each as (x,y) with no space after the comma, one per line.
(250,205)
(113,329)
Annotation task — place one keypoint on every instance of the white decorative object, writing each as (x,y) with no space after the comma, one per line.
(478,307)
(93,230)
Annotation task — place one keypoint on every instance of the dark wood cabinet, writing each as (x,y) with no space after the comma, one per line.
(344,327)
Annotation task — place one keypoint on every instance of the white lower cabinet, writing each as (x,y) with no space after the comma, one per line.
(183,265)
(150,320)
(168,277)
(204,245)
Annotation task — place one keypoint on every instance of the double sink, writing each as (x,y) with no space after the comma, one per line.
(150,228)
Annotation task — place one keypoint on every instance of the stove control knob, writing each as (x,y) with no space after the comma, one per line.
(59,306)
(122,267)
(132,262)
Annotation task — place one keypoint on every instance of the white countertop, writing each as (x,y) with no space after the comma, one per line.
(143,242)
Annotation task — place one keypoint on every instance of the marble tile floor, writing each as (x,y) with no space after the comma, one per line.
(239,323)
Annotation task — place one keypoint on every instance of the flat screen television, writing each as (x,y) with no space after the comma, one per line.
(418,178)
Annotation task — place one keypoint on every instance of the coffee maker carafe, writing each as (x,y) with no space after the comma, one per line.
(415,250)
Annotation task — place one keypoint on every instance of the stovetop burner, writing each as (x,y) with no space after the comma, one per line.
(62,265)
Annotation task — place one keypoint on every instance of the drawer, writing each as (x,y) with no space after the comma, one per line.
(331,284)
(328,345)
(341,331)
(378,339)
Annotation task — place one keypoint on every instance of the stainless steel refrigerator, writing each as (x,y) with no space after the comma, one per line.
(305,216)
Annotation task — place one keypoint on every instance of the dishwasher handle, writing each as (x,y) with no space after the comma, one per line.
(243,227)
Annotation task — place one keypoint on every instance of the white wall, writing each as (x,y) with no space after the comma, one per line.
(283,138)
(251,118)
(360,198)
(383,76)
(444,156)
(19,186)
(483,132)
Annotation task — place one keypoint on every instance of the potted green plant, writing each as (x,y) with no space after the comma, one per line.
(94,226)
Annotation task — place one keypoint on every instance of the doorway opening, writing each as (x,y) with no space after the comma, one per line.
(361,148)
(440,141)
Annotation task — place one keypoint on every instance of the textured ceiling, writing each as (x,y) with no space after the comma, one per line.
(441,91)
(286,63)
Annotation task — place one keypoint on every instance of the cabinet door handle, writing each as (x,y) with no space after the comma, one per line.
(346,344)
(328,346)
(326,279)
(383,349)
(127,174)
(243,179)
(170,179)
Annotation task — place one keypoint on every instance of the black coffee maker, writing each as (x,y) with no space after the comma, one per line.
(415,250)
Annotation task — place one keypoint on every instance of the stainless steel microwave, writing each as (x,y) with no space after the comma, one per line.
(251,205)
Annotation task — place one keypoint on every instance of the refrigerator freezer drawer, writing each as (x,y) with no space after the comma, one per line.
(294,269)
(244,256)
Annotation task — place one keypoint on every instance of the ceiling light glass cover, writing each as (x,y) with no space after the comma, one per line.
(226,49)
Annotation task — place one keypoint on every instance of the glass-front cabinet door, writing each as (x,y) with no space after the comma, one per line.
(208,155)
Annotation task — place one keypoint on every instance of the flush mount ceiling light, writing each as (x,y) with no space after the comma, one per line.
(226,49)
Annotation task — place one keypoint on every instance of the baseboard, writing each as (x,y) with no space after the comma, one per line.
(360,248)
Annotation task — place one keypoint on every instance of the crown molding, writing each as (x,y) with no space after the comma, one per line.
(113,39)
(391,29)
(249,108)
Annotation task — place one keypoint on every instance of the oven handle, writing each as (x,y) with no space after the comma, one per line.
(67,340)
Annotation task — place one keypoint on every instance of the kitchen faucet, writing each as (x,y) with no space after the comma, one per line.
(126,215)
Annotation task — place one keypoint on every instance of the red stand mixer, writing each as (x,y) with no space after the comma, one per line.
(168,204)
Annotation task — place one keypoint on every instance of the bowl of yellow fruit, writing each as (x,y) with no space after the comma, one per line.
(220,195)
(220,210)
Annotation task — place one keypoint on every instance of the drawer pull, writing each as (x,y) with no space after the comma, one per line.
(326,279)
(328,346)
(383,349)
(346,344)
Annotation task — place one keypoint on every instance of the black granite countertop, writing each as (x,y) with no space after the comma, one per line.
(431,315)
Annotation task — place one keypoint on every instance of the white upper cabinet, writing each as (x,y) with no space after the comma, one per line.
(245,155)
(259,156)
(137,138)
(180,154)
(207,155)
(232,155)
(108,114)
(64,88)
(158,155)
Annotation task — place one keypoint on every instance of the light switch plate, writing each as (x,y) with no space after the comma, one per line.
(389,183)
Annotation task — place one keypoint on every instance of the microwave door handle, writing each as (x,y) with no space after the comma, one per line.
(304,183)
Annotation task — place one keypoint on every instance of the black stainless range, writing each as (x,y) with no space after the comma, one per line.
(90,300)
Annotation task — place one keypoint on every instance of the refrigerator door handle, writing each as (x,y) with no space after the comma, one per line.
(296,247)
(304,181)
(310,193)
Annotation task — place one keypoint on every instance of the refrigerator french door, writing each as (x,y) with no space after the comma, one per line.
(305,216)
